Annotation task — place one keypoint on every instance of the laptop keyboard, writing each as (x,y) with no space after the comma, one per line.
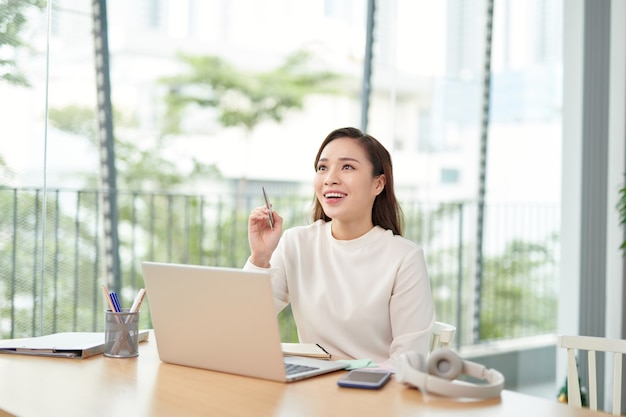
(292,368)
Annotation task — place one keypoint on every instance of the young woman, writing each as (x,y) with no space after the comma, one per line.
(355,285)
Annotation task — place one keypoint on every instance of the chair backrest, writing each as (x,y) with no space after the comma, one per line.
(591,344)
(442,335)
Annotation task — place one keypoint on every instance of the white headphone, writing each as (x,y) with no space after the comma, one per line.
(437,375)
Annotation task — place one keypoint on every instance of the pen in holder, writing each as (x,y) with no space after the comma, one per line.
(121,334)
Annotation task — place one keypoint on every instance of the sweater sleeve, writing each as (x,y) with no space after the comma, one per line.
(278,278)
(412,311)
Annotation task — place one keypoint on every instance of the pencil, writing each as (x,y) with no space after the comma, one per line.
(138,300)
(108,298)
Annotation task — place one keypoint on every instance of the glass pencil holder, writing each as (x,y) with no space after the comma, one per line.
(121,334)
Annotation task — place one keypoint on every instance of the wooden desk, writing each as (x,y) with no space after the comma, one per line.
(144,386)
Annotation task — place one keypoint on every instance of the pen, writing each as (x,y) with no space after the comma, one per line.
(325,351)
(269,207)
(116,302)
(138,300)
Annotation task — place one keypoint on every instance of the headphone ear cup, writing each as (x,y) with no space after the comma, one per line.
(444,363)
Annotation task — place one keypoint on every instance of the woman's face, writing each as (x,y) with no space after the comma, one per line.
(344,182)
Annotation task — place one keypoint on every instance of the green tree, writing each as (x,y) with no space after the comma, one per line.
(244,99)
(137,168)
(61,295)
(516,299)
(144,219)
(514,303)
(13,19)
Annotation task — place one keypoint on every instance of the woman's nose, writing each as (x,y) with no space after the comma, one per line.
(331,177)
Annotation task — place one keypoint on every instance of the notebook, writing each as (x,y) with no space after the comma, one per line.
(221,319)
(311,350)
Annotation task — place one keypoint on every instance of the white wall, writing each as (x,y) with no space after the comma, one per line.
(617,168)
(572,233)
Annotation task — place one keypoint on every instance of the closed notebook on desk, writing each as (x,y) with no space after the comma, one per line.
(221,319)
(76,345)
(309,350)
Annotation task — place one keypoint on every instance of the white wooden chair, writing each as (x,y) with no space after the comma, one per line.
(592,345)
(442,335)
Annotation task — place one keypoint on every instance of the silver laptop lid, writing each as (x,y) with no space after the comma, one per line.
(221,319)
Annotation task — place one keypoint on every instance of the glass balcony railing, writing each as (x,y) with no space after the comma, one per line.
(53,256)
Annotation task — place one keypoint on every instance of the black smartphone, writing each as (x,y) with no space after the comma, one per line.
(361,378)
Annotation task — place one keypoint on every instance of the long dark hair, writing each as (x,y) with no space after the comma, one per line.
(386,211)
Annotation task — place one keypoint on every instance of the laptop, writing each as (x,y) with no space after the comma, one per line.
(221,319)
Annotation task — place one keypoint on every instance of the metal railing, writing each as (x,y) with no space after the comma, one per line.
(52,265)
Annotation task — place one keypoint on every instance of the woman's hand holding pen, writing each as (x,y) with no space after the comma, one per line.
(262,236)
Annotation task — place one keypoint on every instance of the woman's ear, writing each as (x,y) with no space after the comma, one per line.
(381,180)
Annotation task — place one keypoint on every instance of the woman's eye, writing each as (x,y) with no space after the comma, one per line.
(321,168)
(347,166)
